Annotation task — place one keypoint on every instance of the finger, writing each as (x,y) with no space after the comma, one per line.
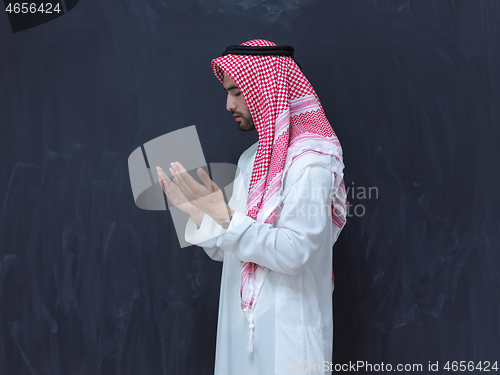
(187,184)
(171,195)
(174,188)
(190,181)
(176,175)
(178,185)
(160,173)
(166,184)
(162,177)
(209,184)
(172,192)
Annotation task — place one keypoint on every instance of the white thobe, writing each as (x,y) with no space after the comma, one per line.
(293,313)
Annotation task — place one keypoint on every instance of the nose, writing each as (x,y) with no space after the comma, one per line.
(230,103)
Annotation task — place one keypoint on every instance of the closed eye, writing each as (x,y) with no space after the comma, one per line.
(234,87)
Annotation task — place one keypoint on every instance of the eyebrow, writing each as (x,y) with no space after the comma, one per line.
(231,88)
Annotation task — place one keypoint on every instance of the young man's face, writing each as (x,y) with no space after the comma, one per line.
(237,105)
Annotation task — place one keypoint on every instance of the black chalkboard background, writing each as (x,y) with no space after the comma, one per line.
(90,284)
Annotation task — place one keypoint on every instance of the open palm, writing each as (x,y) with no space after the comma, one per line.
(174,195)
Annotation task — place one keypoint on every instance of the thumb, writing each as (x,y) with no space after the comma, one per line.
(204,178)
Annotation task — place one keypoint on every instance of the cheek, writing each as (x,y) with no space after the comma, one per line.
(244,108)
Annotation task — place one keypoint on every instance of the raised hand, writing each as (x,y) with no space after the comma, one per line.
(208,197)
(174,195)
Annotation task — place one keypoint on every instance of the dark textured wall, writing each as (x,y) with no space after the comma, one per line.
(90,284)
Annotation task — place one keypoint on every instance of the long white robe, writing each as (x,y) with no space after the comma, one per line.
(293,313)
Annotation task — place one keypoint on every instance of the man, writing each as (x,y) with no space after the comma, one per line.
(276,234)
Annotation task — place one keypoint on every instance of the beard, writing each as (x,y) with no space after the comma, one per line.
(246,123)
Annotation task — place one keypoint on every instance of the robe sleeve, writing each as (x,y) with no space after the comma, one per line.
(205,236)
(301,231)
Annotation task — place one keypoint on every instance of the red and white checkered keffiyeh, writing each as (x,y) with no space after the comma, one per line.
(291,124)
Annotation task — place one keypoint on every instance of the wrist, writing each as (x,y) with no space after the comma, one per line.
(195,211)
(222,214)
(197,217)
